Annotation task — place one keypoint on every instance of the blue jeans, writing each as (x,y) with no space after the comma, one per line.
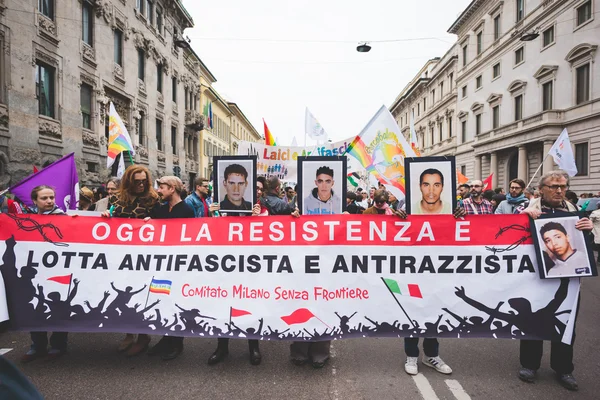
(431,347)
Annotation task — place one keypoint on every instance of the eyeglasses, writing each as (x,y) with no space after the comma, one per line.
(475,186)
(555,188)
(138,182)
(259,188)
(516,188)
(205,186)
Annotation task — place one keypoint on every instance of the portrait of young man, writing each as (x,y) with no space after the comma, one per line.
(323,199)
(429,185)
(234,184)
(321,185)
(562,258)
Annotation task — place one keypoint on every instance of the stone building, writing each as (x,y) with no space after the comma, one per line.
(63,62)
(524,70)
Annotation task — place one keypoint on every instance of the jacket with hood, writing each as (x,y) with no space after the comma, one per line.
(312,205)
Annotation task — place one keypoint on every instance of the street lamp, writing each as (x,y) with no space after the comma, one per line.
(363,47)
(182,43)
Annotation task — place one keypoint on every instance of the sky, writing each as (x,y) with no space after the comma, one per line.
(274,58)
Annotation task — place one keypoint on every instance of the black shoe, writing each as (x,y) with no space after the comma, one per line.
(526,375)
(161,347)
(218,356)
(299,361)
(172,353)
(255,357)
(568,381)
(319,364)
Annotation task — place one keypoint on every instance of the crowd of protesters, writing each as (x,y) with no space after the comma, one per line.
(135,196)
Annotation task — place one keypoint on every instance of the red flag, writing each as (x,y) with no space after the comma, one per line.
(35,170)
(299,316)
(487,184)
(235,312)
(64,279)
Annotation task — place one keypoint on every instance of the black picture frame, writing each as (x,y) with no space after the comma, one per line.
(220,164)
(416,165)
(582,238)
(338,164)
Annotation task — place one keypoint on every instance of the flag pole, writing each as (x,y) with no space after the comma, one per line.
(70,281)
(322,322)
(537,170)
(395,298)
(147,296)
(230,311)
(130,158)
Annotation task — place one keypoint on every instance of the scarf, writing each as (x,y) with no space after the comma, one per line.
(515,200)
(385,206)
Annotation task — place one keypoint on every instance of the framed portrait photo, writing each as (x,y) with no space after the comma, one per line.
(234,183)
(430,185)
(322,185)
(562,250)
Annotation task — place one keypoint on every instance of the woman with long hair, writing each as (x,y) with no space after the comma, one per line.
(136,198)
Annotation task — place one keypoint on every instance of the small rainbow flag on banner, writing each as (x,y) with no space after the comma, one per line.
(160,286)
(118,137)
(269,139)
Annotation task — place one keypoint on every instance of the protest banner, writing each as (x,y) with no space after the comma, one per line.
(278,278)
(281,161)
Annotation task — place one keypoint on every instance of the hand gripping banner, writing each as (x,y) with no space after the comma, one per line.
(283,278)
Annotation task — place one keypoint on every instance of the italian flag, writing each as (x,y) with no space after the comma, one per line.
(410,289)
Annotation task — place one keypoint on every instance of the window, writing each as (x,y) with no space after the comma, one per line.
(479,42)
(149,11)
(477,124)
(463,169)
(87,18)
(520,9)
(495,117)
(433,96)
(174,89)
(46,7)
(519,107)
(186,98)
(139,5)
(141,64)
(174,139)
(582,85)
(547,96)
(464,55)
(463,131)
(584,12)
(159,78)
(497,27)
(450,77)
(581,158)
(441,130)
(478,82)
(464,91)
(44,85)
(441,90)
(159,141)
(449,127)
(496,70)
(432,135)
(118,47)
(141,129)
(86,105)
(159,20)
(548,37)
(519,55)
(424,104)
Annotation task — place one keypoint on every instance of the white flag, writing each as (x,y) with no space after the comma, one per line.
(121,169)
(294,142)
(313,128)
(562,152)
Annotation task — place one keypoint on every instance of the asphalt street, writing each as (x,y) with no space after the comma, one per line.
(359,369)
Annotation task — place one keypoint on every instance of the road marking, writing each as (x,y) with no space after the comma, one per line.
(457,390)
(4,351)
(424,387)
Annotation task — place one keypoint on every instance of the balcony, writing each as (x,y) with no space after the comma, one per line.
(194,120)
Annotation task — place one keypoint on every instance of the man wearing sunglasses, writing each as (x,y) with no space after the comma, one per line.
(199,200)
(322,200)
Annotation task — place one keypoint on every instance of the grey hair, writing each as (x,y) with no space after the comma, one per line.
(116,181)
(559,173)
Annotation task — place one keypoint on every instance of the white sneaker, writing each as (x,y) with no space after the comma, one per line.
(438,364)
(411,367)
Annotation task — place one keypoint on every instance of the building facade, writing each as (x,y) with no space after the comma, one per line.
(524,71)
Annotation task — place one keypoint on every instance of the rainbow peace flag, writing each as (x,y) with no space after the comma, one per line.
(160,286)
(118,137)
(269,139)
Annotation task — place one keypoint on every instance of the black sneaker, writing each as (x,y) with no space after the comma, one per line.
(161,347)
(568,381)
(526,375)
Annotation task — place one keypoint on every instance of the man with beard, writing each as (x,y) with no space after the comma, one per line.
(136,198)
(431,184)
(322,200)
(476,204)
(235,182)
(170,189)
(514,198)
(199,200)
(553,187)
(463,191)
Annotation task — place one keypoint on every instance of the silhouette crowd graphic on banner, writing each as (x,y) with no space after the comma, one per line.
(62,311)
